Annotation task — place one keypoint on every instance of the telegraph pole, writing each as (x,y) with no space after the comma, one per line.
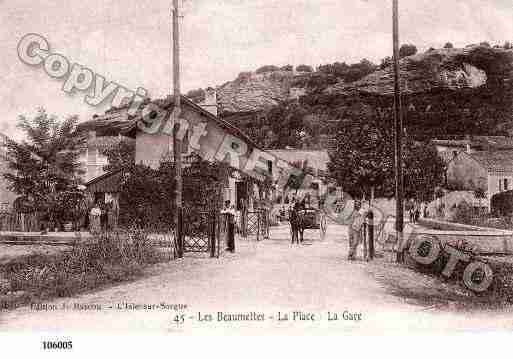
(398,130)
(177,144)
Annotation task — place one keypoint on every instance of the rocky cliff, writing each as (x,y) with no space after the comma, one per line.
(445,91)
(442,69)
(254,92)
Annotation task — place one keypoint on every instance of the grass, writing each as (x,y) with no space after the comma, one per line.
(431,288)
(110,258)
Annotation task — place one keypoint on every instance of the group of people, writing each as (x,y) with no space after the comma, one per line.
(417,209)
(103,217)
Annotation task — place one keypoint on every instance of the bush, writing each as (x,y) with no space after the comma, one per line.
(196,96)
(287,68)
(304,68)
(448,45)
(147,195)
(267,68)
(502,203)
(407,50)
(111,257)
(463,213)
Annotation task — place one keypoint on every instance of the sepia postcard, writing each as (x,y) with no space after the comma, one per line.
(182,168)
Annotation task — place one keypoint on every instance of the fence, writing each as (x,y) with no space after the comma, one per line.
(19,222)
(255,223)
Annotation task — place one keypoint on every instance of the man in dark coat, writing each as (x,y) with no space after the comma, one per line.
(295,223)
(229,213)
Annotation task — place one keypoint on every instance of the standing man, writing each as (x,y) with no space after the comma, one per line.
(229,213)
(294,222)
(355,228)
(94,220)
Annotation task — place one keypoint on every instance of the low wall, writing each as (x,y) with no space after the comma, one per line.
(485,241)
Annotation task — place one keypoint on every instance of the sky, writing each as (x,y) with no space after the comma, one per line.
(129,42)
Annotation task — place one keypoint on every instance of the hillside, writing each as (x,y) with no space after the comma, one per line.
(446,92)
(254,92)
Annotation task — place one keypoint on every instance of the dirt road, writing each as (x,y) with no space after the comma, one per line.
(263,283)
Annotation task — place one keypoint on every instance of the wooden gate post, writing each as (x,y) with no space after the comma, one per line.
(258,225)
(213,234)
(244,219)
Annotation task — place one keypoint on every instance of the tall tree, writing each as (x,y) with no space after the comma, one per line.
(47,161)
(364,159)
(407,50)
(120,155)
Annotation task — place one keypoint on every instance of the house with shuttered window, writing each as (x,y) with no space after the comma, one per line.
(490,171)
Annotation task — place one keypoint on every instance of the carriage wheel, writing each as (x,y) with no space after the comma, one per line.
(323,227)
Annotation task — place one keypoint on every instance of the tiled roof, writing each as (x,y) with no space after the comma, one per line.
(481,143)
(118,121)
(494,141)
(494,161)
(105,142)
(447,156)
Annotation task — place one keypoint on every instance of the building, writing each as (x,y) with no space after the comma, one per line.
(314,163)
(92,156)
(216,140)
(489,171)
(449,148)
(7,197)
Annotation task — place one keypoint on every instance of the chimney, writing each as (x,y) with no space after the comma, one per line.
(210,103)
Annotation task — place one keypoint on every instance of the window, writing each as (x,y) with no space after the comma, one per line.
(505,184)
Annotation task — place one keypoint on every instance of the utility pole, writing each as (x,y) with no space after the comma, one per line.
(398,130)
(177,144)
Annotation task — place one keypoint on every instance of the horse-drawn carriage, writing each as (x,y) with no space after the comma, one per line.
(311,218)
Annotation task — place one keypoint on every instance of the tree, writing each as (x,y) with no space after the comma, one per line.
(448,45)
(286,122)
(407,50)
(120,155)
(267,68)
(359,70)
(147,195)
(287,68)
(196,96)
(387,61)
(424,170)
(46,163)
(304,68)
(364,160)
(507,45)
